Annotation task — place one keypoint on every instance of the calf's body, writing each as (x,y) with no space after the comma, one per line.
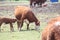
(7,21)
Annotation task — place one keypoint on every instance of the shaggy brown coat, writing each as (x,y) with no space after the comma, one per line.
(52,30)
(7,21)
(22,13)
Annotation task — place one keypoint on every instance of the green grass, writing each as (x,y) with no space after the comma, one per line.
(23,35)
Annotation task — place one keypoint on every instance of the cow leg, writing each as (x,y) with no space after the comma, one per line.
(18,24)
(27,26)
(21,24)
(21,21)
(11,27)
(27,22)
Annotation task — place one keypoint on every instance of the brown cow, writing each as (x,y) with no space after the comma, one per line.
(52,31)
(7,21)
(22,13)
(39,2)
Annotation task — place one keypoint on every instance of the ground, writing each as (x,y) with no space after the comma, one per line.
(43,14)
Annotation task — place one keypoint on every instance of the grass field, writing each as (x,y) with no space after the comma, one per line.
(44,16)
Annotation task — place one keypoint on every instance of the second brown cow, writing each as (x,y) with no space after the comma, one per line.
(52,30)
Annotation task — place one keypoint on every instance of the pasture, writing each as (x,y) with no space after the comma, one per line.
(43,14)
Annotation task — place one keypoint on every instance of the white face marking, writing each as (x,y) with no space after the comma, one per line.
(57,23)
(37,27)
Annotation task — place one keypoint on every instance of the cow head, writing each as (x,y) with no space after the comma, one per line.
(37,25)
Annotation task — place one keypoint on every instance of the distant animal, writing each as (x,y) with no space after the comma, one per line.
(22,13)
(7,21)
(39,2)
(52,30)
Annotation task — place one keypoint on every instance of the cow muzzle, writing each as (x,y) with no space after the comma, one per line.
(37,28)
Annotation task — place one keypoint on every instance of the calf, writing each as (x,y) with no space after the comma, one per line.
(22,13)
(52,30)
(7,21)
